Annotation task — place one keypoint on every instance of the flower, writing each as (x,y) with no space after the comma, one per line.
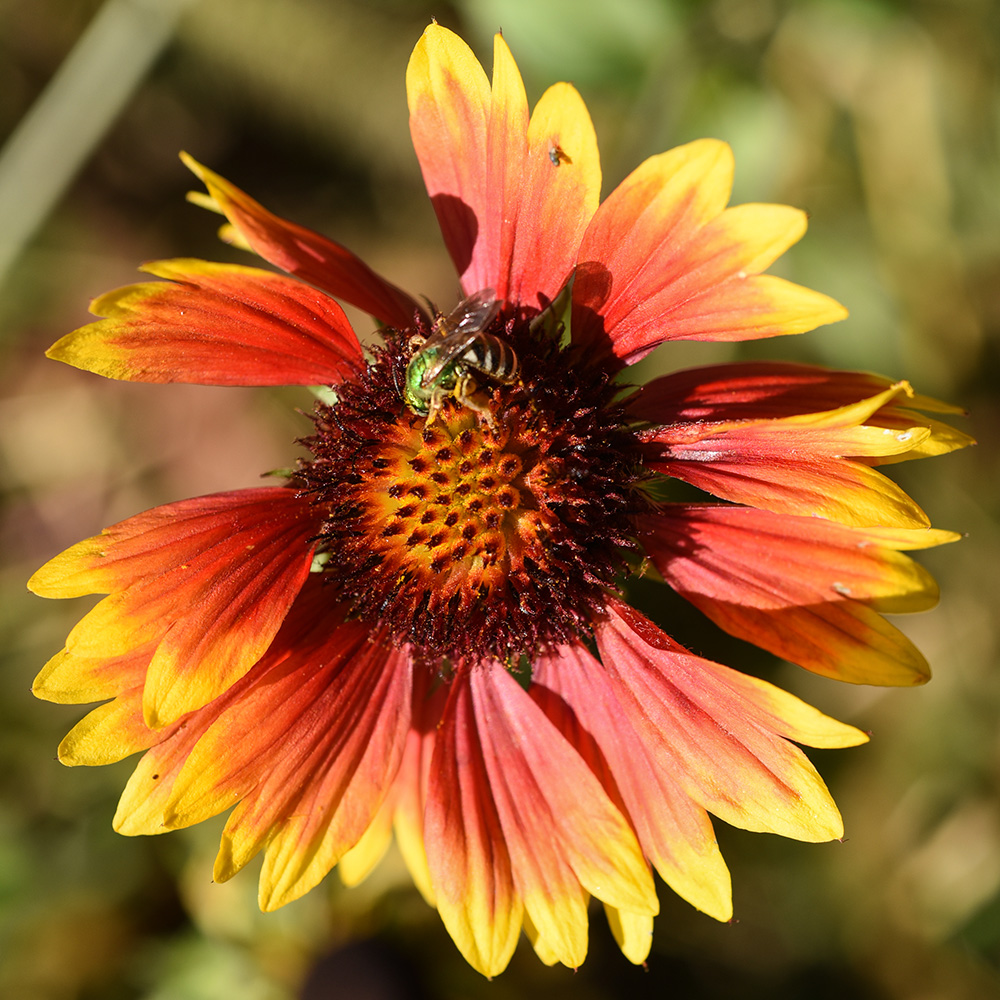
(423,629)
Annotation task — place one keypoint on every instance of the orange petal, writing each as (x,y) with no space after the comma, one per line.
(676,834)
(806,589)
(467,853)
(215,324)
(662,260)
(207,580)
(506,154)
(559,192)
(337,757)
(563,833)
(722,734)
(449,100)
(797,464)
(306,254)
(512,197)
(771,390)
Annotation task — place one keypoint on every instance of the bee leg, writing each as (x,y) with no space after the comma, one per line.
(465,392)
(434,406)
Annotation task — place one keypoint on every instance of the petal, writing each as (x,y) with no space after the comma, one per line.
(559,190)
(747,390)
(506,157)
(215,324)
(109,733)
(675,832)
(662,260)
(759,390)
(307,743)
(357,863)
(514,226)
(632,931)
(306,254)
(797,464)
(548,952)
(805,589)
(561,829)
(73,680)
(206,581)
(466,850)
(449,101)
(336,759)
(412,779)
(548,786)
(150,793)
(721,733)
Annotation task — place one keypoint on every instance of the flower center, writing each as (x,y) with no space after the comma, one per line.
(490,528)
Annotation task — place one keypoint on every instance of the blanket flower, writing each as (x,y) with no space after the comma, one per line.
(423,630)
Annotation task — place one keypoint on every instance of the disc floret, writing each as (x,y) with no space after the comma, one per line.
(488,531)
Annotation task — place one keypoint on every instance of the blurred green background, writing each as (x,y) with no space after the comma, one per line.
(880,117)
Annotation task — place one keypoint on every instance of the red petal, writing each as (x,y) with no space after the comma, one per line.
(675,832)
(466,848)
(215,324)
(308,255)
(331,757)
(311,622)
(797,464)
(771,390)
(662,260)
(718,731)
(512,198)
(309,740)
(208,581)
(757,389)
(803,588)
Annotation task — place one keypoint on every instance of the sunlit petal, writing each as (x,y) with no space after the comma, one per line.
(205,583)
(215,324)
(664,260)
(306,254)
(806,589)
(812,463)
(722,733)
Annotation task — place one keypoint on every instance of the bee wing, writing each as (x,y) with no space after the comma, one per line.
(456,331)
(475,312)
(449,346)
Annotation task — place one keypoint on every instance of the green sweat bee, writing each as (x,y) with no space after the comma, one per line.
(446,362)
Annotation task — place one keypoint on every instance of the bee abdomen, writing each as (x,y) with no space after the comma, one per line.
(492,357)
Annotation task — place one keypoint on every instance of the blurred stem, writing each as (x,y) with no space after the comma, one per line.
(80,103)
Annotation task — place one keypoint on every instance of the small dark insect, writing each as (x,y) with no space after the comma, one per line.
(444,363)
(558,155)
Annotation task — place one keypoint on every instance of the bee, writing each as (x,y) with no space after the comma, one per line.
(446,363)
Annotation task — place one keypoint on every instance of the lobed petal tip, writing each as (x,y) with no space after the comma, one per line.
(193,165)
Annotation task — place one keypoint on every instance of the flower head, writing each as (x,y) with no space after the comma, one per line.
(425,629)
